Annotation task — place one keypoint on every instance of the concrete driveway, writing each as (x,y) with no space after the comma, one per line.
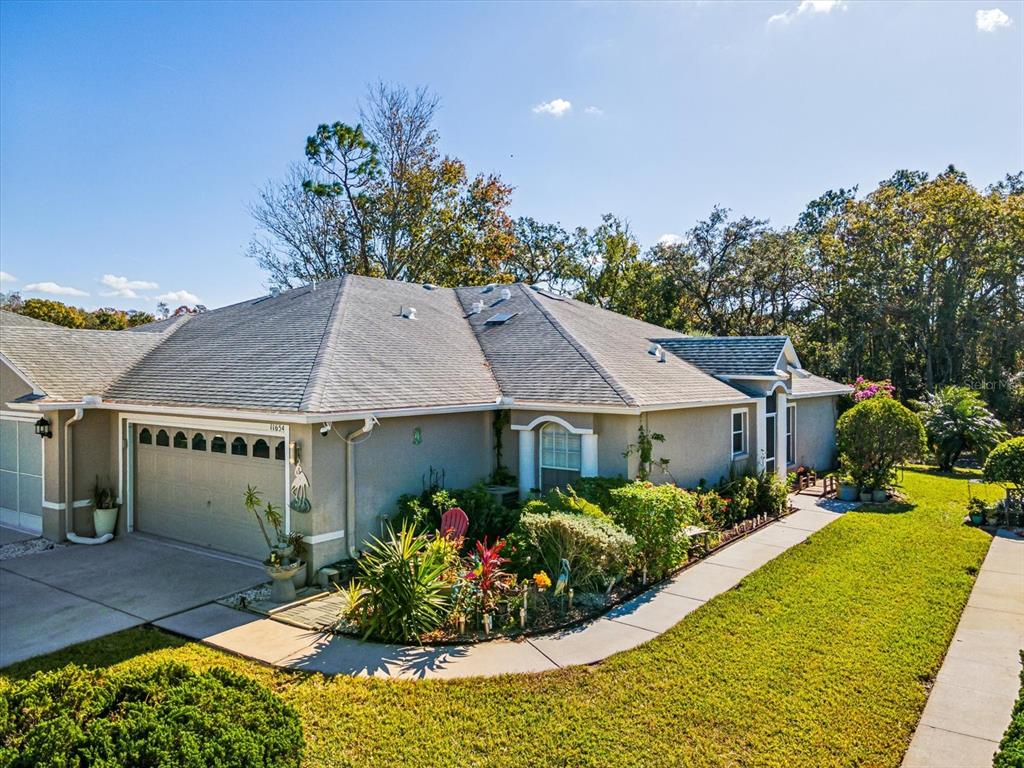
(54,599)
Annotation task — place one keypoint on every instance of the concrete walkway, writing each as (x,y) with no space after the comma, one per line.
(53,599)
(969,707)
(626,626)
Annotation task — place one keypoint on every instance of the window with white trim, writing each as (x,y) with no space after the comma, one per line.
(739,433)
(790,434)
(559,448)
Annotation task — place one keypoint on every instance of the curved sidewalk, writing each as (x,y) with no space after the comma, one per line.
(626,626)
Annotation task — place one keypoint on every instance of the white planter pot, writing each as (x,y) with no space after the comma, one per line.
(104,520)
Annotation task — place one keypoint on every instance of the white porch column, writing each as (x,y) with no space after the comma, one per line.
(527,462)
(781,417)
(588,455)
(761,428)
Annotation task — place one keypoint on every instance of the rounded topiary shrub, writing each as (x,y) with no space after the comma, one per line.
(875,437)
(163,716)
(1005,464)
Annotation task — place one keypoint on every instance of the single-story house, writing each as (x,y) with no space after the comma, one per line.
(368,385)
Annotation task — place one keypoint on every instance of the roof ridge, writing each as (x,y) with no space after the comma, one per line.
(601,371)
(316,381)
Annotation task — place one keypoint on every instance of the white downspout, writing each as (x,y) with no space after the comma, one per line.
(69,494)
(350,482)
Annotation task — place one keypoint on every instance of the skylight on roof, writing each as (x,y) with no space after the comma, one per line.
(500,318)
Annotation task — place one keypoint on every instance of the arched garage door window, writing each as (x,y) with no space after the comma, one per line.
(560,452)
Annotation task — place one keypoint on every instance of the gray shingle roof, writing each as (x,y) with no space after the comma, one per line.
(14,320)
(255,354)
(69,364)
(620,346)
(814,385)
(344,346)
(729,355)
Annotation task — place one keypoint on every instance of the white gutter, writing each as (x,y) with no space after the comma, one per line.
(69,479)
(350,482)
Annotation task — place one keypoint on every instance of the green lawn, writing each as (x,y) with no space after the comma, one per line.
(821,658)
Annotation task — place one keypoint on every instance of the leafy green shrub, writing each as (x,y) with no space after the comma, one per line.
(875,437)
(1011,748)
(166,715)
(655,516)
(957,419)
(598,490)
(403,587)
(1005,464)
(598,551)
(487,518)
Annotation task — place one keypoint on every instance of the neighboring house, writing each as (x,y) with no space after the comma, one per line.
(369,384)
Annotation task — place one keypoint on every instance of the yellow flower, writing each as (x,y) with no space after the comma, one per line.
(541,580)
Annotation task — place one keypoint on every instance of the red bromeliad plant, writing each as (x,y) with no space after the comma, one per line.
(487,572)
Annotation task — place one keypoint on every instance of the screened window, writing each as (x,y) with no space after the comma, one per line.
(218,445)
(198,442)
(739,433)
(279,451)
(790,434)
(261,450)
(145,436)
(180,440)
(238,447)
(163,439)
(559,448)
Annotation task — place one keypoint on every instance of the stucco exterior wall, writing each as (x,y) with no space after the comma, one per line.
(389,462)
(815,432)
(12,386)
(698,443)
(614,434)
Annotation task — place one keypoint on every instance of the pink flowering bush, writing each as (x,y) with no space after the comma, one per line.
(865,389)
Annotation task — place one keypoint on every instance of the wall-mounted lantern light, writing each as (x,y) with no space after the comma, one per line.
(43,428)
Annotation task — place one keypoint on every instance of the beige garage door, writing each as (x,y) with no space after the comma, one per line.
(190,485)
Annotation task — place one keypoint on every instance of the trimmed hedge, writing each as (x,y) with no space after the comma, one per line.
(655,516)
(1005,464)
(1011,748)
(164,716)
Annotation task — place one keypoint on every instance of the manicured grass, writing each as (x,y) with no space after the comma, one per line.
(821,658)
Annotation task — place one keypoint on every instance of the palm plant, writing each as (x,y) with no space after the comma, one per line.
(403,593)
(957,419)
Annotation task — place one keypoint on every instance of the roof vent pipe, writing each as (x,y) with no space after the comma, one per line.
(654,349)
(506,294)
(478,307)
(489,287)
(662,357)
(409,313)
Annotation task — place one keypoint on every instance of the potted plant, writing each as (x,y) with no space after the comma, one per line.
(279,567)
(105,507)
(847,489)
(977,508)
(296,544)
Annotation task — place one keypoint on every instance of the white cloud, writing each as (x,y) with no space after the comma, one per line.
(592,110)
(178,297)
(7,277)
(125,288)
(807,7)
(556,107)
(670,238)
(54,289)
(991,20)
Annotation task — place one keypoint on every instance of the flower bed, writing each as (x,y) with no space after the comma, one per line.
(565,560)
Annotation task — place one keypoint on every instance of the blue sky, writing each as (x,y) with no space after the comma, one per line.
(133,137)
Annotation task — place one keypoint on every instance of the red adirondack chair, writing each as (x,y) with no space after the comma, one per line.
(454,523)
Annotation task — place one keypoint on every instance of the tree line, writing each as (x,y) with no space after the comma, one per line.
(919,281)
